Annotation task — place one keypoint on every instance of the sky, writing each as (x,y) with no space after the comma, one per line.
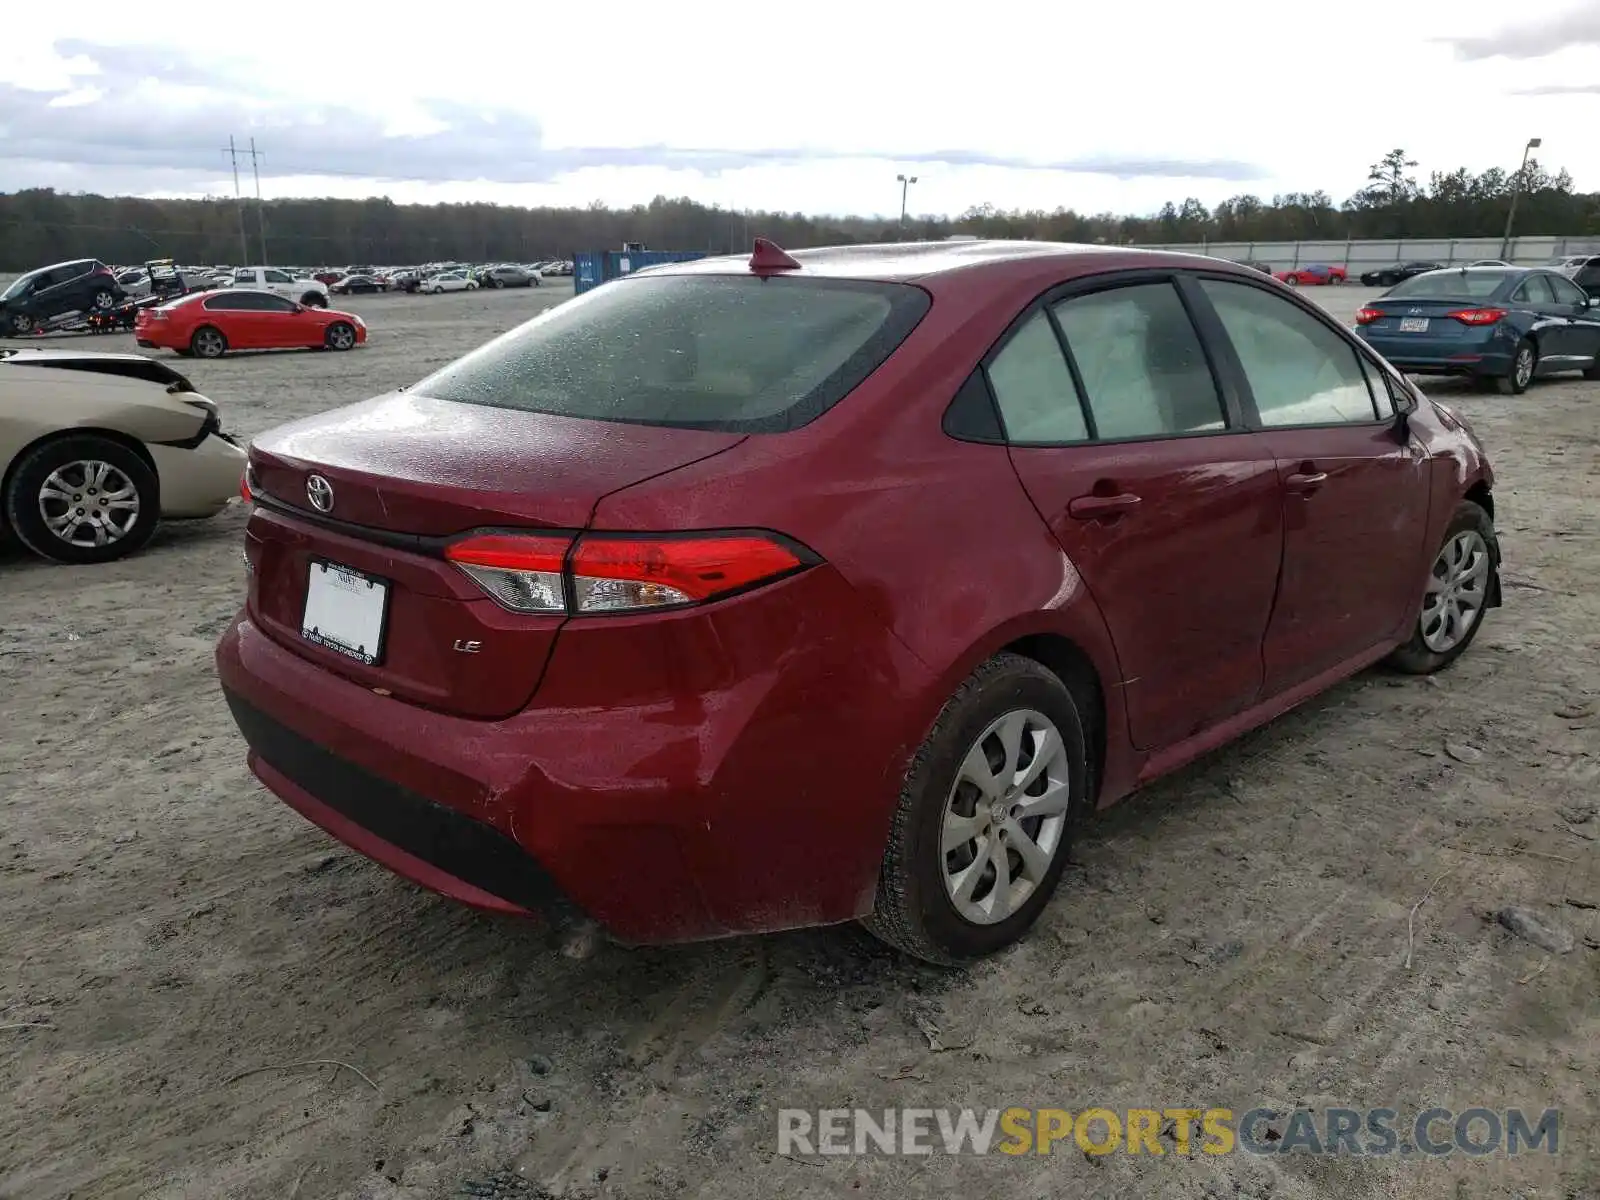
(816,108)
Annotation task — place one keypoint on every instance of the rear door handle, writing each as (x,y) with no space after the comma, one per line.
(1305,482)
(1099,508)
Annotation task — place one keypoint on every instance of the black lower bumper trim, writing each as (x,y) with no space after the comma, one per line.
(468,849)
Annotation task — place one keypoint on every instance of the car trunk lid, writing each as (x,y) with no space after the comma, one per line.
(1431,315)
(400,478)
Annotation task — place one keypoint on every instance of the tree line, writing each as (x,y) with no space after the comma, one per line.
(41,225)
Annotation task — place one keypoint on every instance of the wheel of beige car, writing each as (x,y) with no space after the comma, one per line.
(341,335)
(1461,584)
(83,499)
(208,342)
(985,817)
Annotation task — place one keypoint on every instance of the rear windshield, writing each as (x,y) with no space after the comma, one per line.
(736,353)
(1477,284)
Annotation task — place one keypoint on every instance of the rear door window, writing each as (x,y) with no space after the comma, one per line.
(1144,372)
(736,353)
(1033,388)
(1565,292)
(1535,290)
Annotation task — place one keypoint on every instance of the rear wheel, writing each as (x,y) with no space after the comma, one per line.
(104,298)
(83,499)
(341,335)
(985,817)
(1461,584)
(208,342)
(1523,364)
(1592,373)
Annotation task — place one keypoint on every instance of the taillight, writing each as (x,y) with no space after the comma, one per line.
(608,573)
(521,572)
(1367,316)
(1478,316)
(244,490)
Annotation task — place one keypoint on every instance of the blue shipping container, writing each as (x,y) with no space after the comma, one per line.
(591,268)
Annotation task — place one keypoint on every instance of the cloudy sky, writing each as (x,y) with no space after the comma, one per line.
(1018,104)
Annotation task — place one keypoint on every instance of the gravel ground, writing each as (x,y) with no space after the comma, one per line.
(1237,935)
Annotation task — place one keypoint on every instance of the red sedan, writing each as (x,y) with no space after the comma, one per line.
(844,593)
(1311,275)
(209,324)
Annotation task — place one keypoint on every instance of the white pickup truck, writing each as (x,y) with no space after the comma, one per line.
(278,281)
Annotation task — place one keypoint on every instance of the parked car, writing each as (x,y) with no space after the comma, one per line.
(95,449)
(1501,326)
(562,629)
(1488,262)
(507,276)
(448,281)
(209,324)
(1264,268)
(1313,274)
(1568,263)
(358,285)
(1587,276)
(1391,275)
(280,282)
(33,299)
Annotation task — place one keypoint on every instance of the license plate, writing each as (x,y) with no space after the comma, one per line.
(1413,324)
(346,611)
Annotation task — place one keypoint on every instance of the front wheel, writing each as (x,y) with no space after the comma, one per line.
(1463,581)
(341,335)
(103,299)
(83,499)
(985,817)
(19,323)
(314,300)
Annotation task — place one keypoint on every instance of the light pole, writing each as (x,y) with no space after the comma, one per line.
(1516,191)
(905,183)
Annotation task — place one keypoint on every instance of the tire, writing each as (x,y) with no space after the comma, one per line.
(70,463)
(19,323)
(1523,364)
(1592,373)
(438,291)
(535,281)
(499,283)
(208,342)
(314,300)
(104,299)
(471,287)
(915,909)
(1419,656)
(341,335)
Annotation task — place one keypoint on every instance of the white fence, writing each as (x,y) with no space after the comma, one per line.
(1358,256)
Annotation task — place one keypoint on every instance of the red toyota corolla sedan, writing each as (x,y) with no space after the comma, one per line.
(209,324)
(740,595)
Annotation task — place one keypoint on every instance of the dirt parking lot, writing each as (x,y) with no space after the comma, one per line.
(177,944)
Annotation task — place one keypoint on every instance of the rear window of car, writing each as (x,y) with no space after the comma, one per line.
(1478,283)
(735,353)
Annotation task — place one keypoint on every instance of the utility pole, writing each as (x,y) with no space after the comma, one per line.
(261,208)
(244,246)
(1516,191)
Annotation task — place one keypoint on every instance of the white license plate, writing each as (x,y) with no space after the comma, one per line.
(346,611)
(1413,324)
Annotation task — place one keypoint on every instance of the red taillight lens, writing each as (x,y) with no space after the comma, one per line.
(244,490)
(616,574)
(521,572)
(1478,316)
(606,573)
(1367,316)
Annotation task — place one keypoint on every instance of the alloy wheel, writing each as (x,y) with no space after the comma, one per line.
(1457,588)
(89,503)
(1005,816)
(1524,367)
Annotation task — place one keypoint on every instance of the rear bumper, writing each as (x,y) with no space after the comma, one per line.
(1416,356)
(754,796)
(198,482)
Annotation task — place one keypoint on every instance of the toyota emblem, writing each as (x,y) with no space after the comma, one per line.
(320,492)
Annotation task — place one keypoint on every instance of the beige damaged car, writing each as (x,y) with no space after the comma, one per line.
(95,449)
